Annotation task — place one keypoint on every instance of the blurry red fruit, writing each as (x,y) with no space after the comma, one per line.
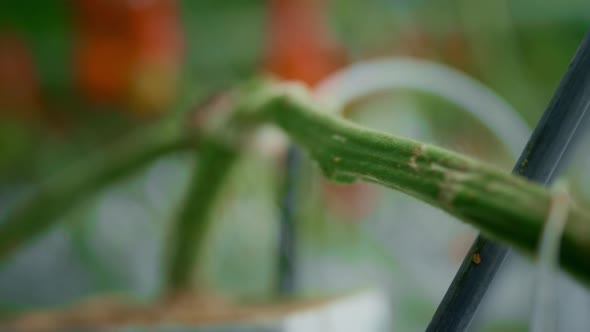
(299,44)
(128,52)
(19,86)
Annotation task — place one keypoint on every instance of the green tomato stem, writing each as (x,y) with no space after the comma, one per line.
(506,207)
(193,221)
(53,199)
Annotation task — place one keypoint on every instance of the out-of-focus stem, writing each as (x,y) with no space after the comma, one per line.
(191,226)
(53,199)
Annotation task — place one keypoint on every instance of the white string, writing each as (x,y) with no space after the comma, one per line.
(544,316)
(370,77)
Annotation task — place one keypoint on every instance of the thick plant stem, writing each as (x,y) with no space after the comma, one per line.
(506,207)
(191,226)
(53,199)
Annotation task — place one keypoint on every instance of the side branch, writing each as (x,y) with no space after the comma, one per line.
(194,216)
(36,214)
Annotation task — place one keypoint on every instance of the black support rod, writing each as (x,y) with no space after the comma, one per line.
(544,156)
(287,239)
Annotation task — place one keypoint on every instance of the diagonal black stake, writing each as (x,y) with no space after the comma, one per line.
(542,160)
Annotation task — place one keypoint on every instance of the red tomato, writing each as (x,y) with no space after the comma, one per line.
(299,45)
(128,52)
(19,86)
(103,67)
